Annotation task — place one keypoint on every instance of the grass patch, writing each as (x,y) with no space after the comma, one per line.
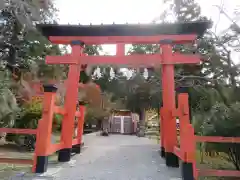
(8,170)
(11,170)
(215,162)
(208,162)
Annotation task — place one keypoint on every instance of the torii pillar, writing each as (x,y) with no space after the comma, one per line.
(70,100)
(168,121)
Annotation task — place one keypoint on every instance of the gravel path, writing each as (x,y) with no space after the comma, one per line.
(118,157)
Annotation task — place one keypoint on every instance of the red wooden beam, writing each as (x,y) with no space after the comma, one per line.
(131,60)
(59,110)
(217,139)
(120,49)
(18,131)
(16,161)
(178,39)
(75,141)
(178,153)
(55,147)
(218,173)
(78,114)
(176,112)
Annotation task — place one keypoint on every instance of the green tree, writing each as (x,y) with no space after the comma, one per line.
(215,100)
(22,49)
(224,121)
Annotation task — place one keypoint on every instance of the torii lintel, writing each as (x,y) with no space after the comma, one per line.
(135,60)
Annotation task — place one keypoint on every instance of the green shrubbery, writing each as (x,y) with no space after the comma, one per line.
(57,122)
(28,118)
(218,118)
(224,121)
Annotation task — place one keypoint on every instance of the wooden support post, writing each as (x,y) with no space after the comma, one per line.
(187,140)
(45,129)
(183,116)
(163,125)
(120,51)
(169,103)
(186,90)
(70,102)
(188,167)
(183,107)
(77,147)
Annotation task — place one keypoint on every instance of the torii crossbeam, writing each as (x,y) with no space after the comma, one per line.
(130,60)
(166,35)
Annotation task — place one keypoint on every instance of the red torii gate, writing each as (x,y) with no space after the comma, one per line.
(164,34)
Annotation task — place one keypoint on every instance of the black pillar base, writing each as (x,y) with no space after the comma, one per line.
(187,171)
(162,152)
(76,148)
(171,159)
(41,165)
(64,155)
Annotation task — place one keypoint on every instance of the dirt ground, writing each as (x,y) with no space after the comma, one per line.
(11,150)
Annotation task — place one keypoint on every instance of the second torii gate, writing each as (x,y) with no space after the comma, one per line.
(166,35)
